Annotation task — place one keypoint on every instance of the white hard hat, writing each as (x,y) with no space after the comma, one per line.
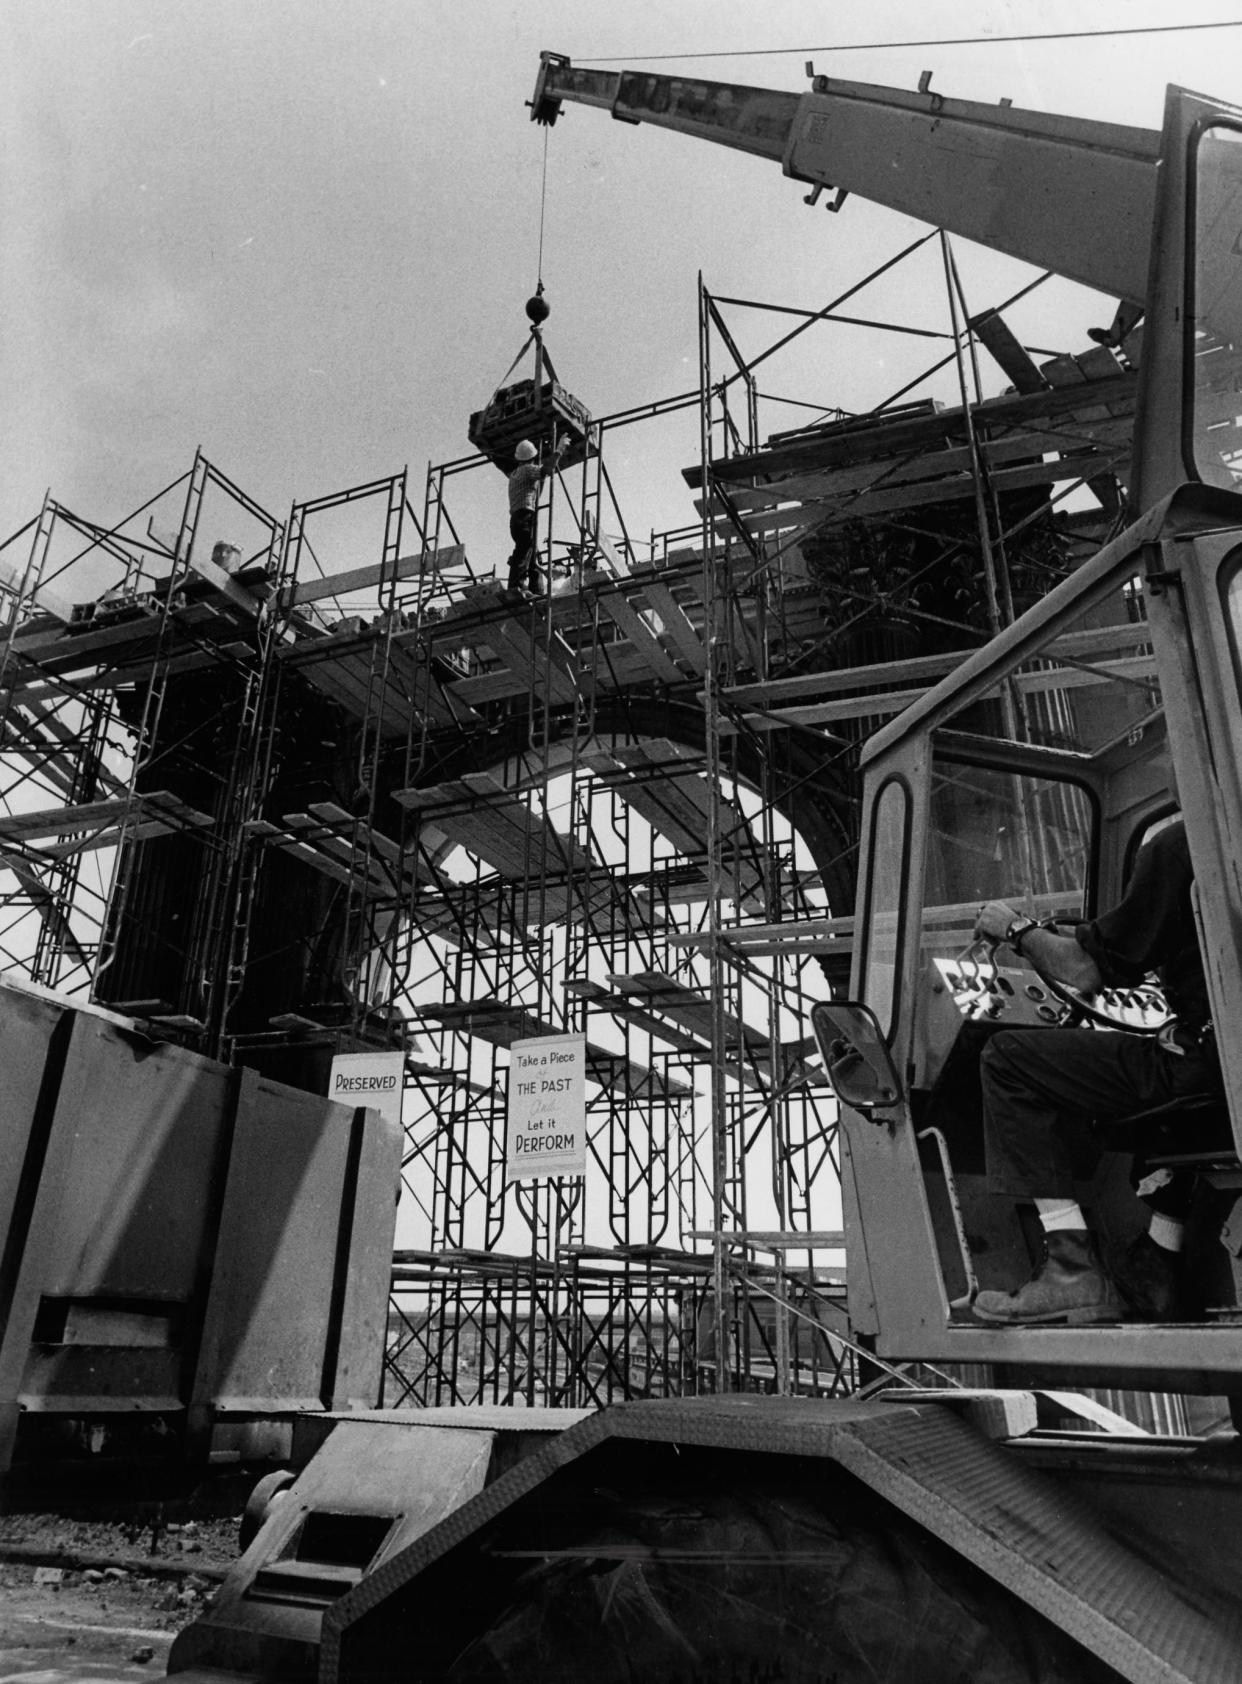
(525,451)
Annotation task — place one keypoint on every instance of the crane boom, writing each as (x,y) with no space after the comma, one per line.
(1065,193)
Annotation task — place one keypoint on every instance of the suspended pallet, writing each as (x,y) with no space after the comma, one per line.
(536,412)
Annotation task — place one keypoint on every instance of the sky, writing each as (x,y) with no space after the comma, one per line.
(300,233)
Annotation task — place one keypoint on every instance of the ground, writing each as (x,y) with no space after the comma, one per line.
(102,1599)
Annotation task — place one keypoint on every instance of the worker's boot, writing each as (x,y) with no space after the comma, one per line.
(1069,1287)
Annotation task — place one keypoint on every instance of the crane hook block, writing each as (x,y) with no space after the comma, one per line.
(538,309)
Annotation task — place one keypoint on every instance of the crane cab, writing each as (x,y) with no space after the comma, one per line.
(1031,776)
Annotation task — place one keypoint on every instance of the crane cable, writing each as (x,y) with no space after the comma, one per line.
(533,334)
(543,200)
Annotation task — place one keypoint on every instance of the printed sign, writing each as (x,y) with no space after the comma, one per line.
(547,1108)
(373,1079)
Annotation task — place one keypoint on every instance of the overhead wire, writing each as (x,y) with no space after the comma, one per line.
(945,41)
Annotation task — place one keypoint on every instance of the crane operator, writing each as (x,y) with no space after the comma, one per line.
(1043,1088)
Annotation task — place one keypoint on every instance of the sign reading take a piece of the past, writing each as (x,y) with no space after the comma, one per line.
(547,1108)
(373,1079)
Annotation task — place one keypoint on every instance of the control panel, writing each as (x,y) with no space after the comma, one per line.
(972,988)
(1006,995)
(985,990)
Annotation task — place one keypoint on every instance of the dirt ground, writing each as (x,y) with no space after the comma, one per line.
(98,1599)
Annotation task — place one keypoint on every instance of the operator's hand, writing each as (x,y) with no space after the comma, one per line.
(993,920)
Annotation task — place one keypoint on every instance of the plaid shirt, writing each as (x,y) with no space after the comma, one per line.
(524,483)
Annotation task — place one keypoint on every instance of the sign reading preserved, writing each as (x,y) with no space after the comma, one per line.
(372,1079)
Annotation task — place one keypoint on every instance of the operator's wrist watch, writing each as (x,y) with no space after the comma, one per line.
(1017,929)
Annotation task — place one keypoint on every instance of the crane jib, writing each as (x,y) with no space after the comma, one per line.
(1068,194)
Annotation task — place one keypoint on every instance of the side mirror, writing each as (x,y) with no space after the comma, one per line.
(856,1056)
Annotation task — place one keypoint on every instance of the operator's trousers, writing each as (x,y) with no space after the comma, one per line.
(1043,1089)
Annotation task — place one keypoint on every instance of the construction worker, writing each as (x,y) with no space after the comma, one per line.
(524,486)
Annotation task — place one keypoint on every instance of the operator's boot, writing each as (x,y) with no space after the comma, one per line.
(1152,1281)
(1069,1287)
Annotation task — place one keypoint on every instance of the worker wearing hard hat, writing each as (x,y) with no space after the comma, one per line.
(524,483)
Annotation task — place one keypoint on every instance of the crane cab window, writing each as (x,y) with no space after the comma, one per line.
(994,835)
(884,916)
(1006,836)
(1214,326)
(1230,577)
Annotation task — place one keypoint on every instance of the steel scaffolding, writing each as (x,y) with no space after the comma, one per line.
(421,815)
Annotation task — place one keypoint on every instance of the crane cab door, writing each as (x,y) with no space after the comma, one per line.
(1188,456)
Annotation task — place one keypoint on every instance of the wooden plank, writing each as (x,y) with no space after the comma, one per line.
(618,665)
(1008,351)
(164,801)
(668,810)
(487,1020)
(612,1070)
(629,1012)
(117,678)
(487,687)
(226,585)
(319,862)
(678,625)
(425,689)
(83,648)
(483,834)
(364,578)
(687,1007)
(275,837)
(340,685)
(1138,667)
(615,665)
(487,843)
(936,464)
(642,639)
(61,821)
(384,846)
(898,437)
(866,505)
(881,706)
(688,793)
(527,651)
(1070,646)
(528,832)
(56,821)
(109,836)
(501,1025)
(373,873)
(675,805)
(792,937)
(429,795)
(486,818)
